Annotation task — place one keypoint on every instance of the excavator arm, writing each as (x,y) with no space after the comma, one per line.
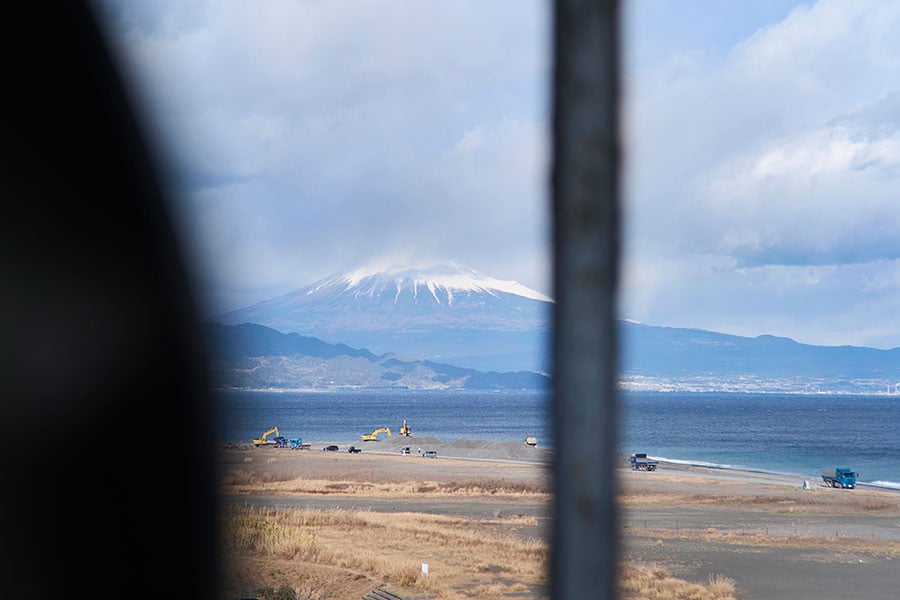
(373,437)
(261,440)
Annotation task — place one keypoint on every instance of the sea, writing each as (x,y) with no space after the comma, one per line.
(792,434)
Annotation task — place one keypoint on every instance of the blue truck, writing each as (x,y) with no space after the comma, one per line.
(640,462)
(840,478)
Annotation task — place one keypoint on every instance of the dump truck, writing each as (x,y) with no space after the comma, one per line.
(640,462)
(840,478)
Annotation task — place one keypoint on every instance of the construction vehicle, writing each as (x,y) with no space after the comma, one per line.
(405,430)
(640,462)
(373,437)
(840,478)
(262,441)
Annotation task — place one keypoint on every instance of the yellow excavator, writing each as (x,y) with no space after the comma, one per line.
(405,430)
(261,440)
(373,437)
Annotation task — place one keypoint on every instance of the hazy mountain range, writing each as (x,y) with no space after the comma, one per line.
(450,326)
(251,356)
(669,358)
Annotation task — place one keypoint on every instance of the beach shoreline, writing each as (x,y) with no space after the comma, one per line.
(521,453)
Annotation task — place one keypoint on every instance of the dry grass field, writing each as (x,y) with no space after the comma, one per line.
(321,525)
(467,558)
(337,526)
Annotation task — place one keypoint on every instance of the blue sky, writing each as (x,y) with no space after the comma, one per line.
(762,150)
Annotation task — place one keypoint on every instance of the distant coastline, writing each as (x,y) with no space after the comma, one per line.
(757,385)
(656,386)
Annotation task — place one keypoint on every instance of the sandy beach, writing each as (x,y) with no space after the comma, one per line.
(763,534)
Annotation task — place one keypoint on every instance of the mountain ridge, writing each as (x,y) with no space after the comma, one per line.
(657,357)
(252,356)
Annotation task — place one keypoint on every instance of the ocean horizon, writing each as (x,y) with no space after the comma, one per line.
(791,434)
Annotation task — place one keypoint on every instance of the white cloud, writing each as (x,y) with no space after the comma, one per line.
(777,162)
(350,129)
(471,140)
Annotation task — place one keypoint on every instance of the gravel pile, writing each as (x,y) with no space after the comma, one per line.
(467,449)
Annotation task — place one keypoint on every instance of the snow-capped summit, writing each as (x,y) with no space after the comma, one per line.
(445,312)
(441,281)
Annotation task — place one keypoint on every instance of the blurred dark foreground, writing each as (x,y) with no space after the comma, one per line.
(99,350)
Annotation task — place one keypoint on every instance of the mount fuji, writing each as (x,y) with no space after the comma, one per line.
(447,313)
